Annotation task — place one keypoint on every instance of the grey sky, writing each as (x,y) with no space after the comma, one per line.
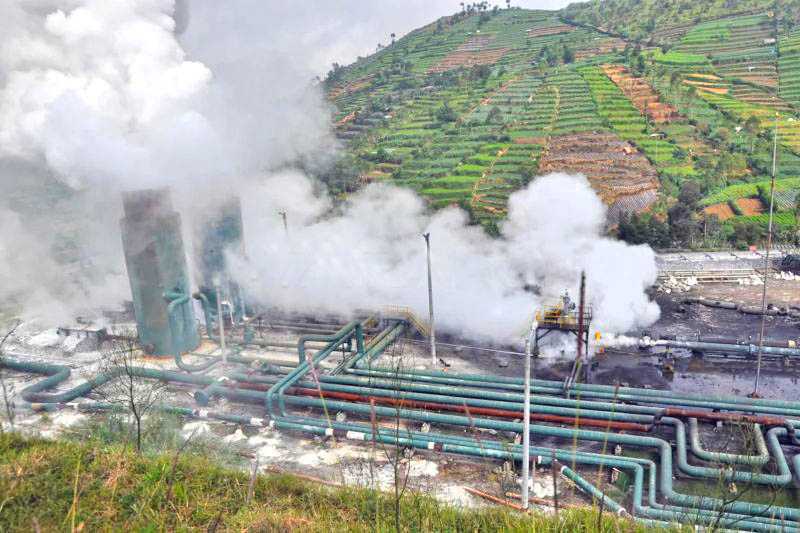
(324,31)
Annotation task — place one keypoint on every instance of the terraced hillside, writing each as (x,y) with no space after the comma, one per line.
(645,100)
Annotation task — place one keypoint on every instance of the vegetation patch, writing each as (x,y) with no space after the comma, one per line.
(57,486)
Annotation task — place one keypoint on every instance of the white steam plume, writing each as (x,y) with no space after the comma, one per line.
(106,95)
(371,253)
(99,96)
(103,93)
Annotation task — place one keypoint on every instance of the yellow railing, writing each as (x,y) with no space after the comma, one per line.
(554,316)
(406,313)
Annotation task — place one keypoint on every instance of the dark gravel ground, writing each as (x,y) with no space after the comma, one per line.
(712,376)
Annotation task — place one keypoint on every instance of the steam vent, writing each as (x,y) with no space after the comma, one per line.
(156,261)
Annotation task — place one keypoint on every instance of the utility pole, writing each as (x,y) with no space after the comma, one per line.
(221,321)
(285,223)
(766,256)
(583,348)
(427,237)
(526,415)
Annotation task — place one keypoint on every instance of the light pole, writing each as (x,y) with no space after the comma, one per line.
(285,223)
(427,237)
(221,321)
(526,415)
(766,257)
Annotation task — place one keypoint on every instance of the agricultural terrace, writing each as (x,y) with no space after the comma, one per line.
(641,95)
(470,108)
(750,202)
(663,21)
(789,67)
(627,122)
(622,176)
(741,48)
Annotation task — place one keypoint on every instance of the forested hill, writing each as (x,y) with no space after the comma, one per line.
(667,106)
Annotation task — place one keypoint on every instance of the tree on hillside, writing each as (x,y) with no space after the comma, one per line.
(752,126)
(683,225)
(746,233)
(567,55)
(643,229)
(480,72)
(675,79)
(334,75)
(494,116)
(445,113)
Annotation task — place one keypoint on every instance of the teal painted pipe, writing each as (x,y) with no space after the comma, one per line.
(747,349)
(500,450)
(192,378)
(733,404)
(177,299)
(609,390)
(57,374)
(759,459)
(796,461)
(511,406)
(380,346)
(181,411)
(354,328)
(205,396)
(301,343)
(246,340)
(348,364)
(616,438)
(207,314)
(593,491)
(782,479)
(473,392)
(467,446)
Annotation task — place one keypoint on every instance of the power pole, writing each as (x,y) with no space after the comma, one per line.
(221,321)
(583,348)
(427,237)
(285,223)
(766,257)
(526,415)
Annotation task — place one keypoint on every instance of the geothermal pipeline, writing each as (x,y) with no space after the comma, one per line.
(664,425)
(653,432)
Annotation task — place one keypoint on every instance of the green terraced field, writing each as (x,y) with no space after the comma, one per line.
(463,110)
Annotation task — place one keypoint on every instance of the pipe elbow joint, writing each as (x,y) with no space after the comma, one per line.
(202,398)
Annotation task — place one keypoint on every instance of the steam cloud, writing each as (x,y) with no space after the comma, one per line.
(100,96)
(371,253)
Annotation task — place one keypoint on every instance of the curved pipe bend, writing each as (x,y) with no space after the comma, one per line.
(759,459)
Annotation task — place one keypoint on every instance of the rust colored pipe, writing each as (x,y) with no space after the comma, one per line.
(485,411)
(727,417)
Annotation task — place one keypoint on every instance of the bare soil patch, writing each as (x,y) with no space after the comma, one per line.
(622,176)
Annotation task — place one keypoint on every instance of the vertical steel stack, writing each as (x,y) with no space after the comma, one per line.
(156,262)
(219,232)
